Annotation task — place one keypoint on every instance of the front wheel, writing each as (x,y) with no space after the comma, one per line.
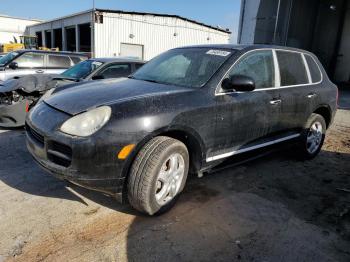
(312,137)
(158,175)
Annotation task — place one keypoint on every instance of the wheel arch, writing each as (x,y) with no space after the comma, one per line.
(189,137)
(325,112)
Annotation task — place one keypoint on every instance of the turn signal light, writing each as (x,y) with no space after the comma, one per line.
(126,150)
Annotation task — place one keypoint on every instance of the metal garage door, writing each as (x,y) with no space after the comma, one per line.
(131,50)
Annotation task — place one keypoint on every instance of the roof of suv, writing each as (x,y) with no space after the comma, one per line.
(243,47)
(50,52)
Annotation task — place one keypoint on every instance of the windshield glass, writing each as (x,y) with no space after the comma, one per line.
(190,67)
(7,58)
(82,70)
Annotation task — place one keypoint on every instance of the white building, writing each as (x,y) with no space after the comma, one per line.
(12,28)
(120,33)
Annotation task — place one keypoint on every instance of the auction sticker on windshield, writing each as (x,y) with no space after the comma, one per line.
(218,52)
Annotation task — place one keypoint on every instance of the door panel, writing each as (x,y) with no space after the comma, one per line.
(245,117)
(295,92)
(28,63)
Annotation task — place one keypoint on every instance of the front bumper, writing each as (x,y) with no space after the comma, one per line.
(89,162)
(13,115)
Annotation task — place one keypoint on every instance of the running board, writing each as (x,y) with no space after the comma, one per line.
(239,151)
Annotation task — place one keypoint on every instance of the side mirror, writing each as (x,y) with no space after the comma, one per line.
(13,65)
(97,77)
(238,83)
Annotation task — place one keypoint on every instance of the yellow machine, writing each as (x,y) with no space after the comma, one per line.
(27,42)
(6,48)
(56,49)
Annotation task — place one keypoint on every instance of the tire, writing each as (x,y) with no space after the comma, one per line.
(311,135)
(153,173)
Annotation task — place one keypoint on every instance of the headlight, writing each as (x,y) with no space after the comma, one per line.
(87,123)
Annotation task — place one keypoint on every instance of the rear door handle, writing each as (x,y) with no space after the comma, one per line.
(275,101)
(311,95)
(39,71)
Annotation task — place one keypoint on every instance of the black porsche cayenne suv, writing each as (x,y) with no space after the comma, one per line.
(185,111)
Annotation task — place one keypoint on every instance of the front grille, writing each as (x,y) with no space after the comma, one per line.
(59,154)
(34,134)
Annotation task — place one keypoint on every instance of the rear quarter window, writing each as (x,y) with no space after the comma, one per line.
(77,59)
(314,69)
(55,61)
(292,68)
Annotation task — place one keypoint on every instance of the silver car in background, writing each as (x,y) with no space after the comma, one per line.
(18,95)
(26,62)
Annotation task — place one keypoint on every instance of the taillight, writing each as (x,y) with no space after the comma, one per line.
(27,107)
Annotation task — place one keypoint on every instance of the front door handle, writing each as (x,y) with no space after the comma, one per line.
(275,101)
(311,95)
(39,71)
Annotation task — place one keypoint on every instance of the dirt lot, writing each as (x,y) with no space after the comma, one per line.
(275,208)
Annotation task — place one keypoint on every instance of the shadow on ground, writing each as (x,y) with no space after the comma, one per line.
(19,171)
(271,209)
(275,208)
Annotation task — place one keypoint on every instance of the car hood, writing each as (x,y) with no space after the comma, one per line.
(27,83)
(106,92)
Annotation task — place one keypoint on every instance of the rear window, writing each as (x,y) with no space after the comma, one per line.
(115,71)
(292,68)
(314,69)
(59,61)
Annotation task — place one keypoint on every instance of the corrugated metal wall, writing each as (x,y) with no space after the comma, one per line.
(156,33)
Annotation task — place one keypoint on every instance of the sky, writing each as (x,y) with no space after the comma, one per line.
(224,13)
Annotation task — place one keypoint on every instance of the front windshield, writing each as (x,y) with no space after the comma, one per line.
(7,58)
(189,67)
(82,69)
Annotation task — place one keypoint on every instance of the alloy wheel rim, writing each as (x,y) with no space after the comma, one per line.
(314,137)
(170,178)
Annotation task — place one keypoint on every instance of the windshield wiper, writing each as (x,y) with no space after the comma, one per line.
(67,78)
(147,80)
(150,80)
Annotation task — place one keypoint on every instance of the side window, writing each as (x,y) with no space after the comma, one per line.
(30,60)
(55,61)
(137,66)
(114,71)
(292,68)
(259,66)
(314,69)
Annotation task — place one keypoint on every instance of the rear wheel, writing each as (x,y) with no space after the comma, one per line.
(313,136)
(158,175)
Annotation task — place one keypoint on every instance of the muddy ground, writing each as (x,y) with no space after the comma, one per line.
(275,208)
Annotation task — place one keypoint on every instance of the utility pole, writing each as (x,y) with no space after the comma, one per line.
(93,29)
(276,24)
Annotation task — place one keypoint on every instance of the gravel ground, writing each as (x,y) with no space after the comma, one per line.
(275,208)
